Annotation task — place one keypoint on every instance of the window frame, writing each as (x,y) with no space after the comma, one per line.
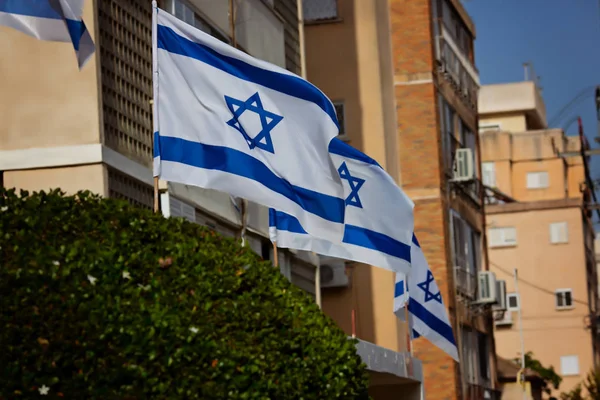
(538,186)
(486,171)
(566,232)
(342,134)
(508,306)
(493,245)
(563,291)
(562,372)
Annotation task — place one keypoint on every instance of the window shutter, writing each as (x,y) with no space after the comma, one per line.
(569,365)
(537,180)
(489,174)
(181,209)
(559,232)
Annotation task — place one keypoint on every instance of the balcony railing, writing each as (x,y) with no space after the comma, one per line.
(477,392)
(465,279)
(457,69)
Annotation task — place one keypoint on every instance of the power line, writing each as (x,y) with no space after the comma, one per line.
(578,98)
(533,285)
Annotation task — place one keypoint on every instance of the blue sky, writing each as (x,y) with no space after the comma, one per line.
(562,40)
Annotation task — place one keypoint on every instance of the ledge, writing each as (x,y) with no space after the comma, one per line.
(394,364)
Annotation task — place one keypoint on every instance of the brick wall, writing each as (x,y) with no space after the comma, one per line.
(419,144)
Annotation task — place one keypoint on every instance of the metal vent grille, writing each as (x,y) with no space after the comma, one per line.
(125,43)
(122,186)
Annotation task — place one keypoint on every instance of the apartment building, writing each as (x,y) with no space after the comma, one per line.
(92,129)
(402,76)
(538,224)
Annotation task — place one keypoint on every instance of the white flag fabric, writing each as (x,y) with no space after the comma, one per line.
(379,216)
(227,121)
(428,316)
(51,20)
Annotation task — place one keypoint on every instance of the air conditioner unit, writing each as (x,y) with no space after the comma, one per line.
(333,272)
(486,288)
(463,167)
(181,209)
(505,320)
(501,296)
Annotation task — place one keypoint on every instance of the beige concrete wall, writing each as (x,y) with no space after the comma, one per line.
(495,146)
(371,295)
(71,179)
(556,177)
(514,391)
(515,97)
(353,45)
(544,267)
(509,122)
(45,100)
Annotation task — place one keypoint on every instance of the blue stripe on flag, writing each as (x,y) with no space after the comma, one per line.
(291,85)
(156,145)
(76,30)
(238,163)
(354,235)
(399,289)
(433,322)
(376,241)
(336,146)
(414,240)
(285,222)
(415,334)
(31,8)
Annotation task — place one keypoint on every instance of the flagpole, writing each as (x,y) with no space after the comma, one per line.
(155,94)
(275,256)
(232,22)
(520,376)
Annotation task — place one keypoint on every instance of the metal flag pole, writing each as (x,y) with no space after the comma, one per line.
(155,92)
(521,375)
(275,255)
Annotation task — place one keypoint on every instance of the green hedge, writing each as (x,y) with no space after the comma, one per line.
(102,300)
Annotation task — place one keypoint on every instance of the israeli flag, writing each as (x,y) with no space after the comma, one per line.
(227,121)
(379,216)
(427,314)
(51,20)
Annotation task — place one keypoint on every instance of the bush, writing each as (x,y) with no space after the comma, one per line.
(101,300)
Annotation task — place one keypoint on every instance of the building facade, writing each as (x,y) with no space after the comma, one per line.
(92,129)
(402,76)
(538,224)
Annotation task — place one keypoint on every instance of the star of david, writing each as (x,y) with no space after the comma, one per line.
(355,185)
(425,286)
(268,121)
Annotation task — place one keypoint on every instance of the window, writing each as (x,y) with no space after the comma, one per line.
(449,141)
(537,180)
(457,29)
(569,365)
(319,10)
(564,299)
(502,237)
(512,302)
(489,128)
(484,357)
(182,10)
(475,357)
(467,254)
(559,233)
(340,114)
(489,174)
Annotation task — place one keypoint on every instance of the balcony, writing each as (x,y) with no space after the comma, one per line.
(457,69)
(465,280)
(391,373)
(478,392)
